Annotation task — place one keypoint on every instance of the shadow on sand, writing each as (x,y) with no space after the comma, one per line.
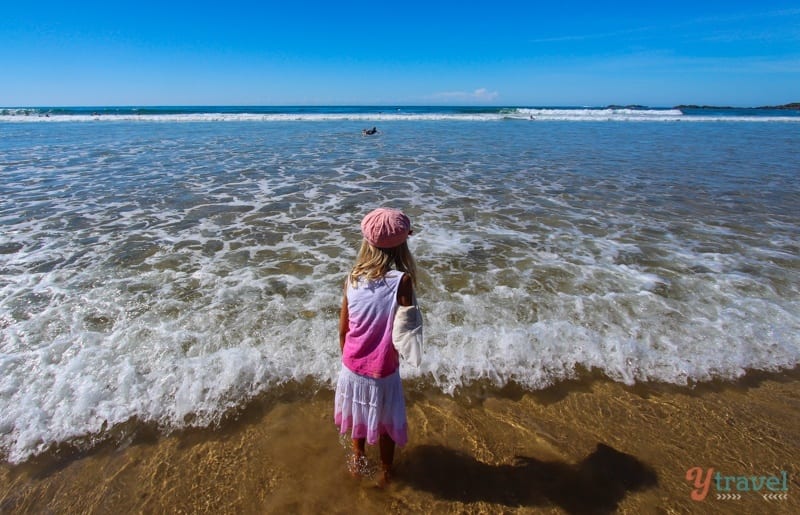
(595,485)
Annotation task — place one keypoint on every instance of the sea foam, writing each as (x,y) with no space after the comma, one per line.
(375,115)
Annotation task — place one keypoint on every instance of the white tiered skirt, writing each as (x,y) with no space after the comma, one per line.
(370,407)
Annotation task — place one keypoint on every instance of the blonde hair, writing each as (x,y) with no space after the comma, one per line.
(372,262)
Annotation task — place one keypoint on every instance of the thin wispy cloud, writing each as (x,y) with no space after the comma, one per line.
(659,62)
(785,34)
(742,16)
(596,35)
(479,95)
(708,20)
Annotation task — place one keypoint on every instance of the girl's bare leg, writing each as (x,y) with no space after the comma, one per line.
(358,456)
(387,457)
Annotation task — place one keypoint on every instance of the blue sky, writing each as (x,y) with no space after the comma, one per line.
(382,53)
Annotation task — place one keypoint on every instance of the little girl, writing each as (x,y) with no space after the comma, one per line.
(369,395)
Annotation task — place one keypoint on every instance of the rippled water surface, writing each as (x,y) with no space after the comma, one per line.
(170,271)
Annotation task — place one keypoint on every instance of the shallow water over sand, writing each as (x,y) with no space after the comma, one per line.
(592,446)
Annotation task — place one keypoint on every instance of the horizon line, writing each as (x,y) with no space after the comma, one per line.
(400,105)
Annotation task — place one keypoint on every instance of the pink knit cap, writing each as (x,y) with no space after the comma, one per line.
(386,228)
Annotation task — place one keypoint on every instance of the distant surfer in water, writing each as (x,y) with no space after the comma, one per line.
(369,132)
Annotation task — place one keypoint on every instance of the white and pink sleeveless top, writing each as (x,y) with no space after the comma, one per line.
(368,348)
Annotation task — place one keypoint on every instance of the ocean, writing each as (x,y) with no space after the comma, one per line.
(165,266)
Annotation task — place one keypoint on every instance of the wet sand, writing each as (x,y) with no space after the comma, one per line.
(581,447)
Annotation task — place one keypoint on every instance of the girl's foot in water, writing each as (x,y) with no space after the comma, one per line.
(384,476)
(358,466)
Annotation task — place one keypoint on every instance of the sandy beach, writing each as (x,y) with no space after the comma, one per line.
(593,446)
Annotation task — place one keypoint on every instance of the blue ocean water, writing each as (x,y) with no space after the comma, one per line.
(166,267)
